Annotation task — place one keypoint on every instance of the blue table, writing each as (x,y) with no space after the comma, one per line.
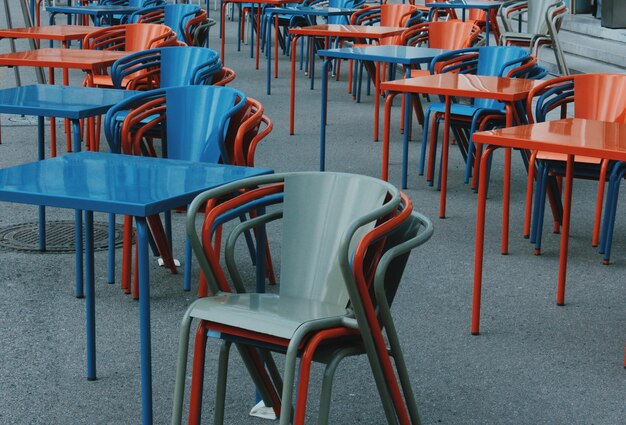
(308,12)
(73,103)
(400,55)
(486,5)
(96,12)
(117,184)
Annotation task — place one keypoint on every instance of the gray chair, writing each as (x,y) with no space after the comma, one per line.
(543,21)
(326,219)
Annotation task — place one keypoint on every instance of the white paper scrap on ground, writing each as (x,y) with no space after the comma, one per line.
(260,410)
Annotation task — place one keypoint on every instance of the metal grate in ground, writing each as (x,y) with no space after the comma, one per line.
(59,236)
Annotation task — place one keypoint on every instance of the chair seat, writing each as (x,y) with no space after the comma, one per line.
(419,73)
(518,36)
(268,314)
(103,81)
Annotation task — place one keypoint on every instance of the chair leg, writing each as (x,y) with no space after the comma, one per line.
(541,208)
(220,390)
(127,256)
(181,369)
(599,201)
(427,125)
(197,375)
(529,194)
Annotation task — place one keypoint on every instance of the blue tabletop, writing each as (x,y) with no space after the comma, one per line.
(60,101)
(312,11)
(405,55)
(93,10)
(115,183)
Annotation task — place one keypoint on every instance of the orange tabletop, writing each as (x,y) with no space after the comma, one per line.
(354,31)
(62,58)
(477,86)
(573,136)
(51,32)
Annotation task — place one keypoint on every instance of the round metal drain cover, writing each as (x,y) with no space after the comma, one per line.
(59,236)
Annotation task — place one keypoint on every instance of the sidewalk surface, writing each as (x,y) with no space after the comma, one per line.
(534,363)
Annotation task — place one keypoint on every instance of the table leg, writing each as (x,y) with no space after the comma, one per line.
(506,193)
(258,34)
(66,82)
(90,301)
(42,210)
(324,107)
(144,321)
(53,130)
(292,85)
(276,35)
(567,204)
(268,54)
(188,260)
(222,24)
(386,133)
(480,239)
(444,159)
(376,98)
(407,132)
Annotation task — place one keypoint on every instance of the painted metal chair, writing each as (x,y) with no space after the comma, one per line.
(167,67)
(543,18)
(500,61)
(593,96)
(129,38)
(190,22)
(338,232)
(197,117)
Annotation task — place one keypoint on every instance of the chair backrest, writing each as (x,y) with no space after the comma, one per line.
(396,15)
(178,15)
(451,35)
(600,97)
(537,16)
(341,4)
(497,61)
(130,37)
(166,67)
(147,36)
(181,66)
(319,208)
(246,129)
(197,119)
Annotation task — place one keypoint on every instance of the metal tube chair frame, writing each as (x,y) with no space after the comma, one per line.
(293,345)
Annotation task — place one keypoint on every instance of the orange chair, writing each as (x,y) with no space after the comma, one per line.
(129,38)
(449,35)
(594,96)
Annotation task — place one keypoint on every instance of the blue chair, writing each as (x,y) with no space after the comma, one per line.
(197,120)
(490,61)
(166,67)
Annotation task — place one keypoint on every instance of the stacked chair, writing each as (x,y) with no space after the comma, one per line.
(345,242)
(190,22)
(593,96)
(128,37)
(544,19)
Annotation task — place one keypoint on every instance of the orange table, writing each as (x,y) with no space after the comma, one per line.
(62,33)
(86,60)
(360,32)
(507,90)
(258,5)
(572,137)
